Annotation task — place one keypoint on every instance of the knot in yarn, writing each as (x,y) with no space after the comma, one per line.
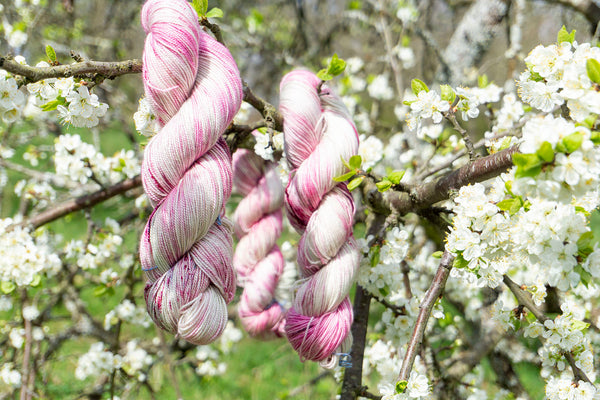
(257,259)
(318,134)
(194,88)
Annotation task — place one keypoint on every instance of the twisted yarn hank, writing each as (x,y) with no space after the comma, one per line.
(257,259)
(318,134)
(194,88)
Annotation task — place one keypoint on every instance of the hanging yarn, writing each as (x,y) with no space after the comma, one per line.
(257,259)
(194,88)
(318,134)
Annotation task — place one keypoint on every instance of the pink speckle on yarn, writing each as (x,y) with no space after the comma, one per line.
(318,134)
(194,88)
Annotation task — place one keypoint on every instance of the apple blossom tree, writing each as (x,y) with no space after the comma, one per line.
(466,191)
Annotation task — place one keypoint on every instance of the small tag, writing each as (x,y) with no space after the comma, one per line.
(219,220)
(345,360)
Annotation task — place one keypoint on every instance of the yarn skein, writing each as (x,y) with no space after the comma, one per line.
(194,88)
(318,134)
(258,260)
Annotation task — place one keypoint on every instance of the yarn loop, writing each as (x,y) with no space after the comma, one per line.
(194,88)
(318,134)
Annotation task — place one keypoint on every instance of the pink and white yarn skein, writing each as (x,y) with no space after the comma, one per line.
(257,259)
(194,87)
(318,134)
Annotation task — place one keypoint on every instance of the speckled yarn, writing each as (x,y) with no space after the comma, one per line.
(318,133)
(194,87)
(257,259)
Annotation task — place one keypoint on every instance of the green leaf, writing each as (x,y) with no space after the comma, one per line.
(448,93)
(383,185)
(355,162)
(590,121)
(565,36)
(324,76)
(396,176)
(354,183)
(418,86)
(401,386)
(52,105)
(7,287)
(100,290)
(336,65)
(50,53)
(560,147)
(573,141)
(528,165)
(595,137)
(437,254)
(37,280)
(345,177)
(482,81)
(200,6)
(508,187)
(593,70)
(408,102)
(375,253)
(345,163)
(585,244)
(355,5)
(579,325)
(546,152)
(511,205)
(459,262)
(215,12)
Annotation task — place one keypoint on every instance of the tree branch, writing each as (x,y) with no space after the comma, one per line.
(79,203)
(427,194)
(84,69)
(433,293)
(352,384)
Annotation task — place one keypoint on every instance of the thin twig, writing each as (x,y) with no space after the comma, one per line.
(387,40)
(524,298)
(25,389)
(266,109)
(431,296)
(465,135)
(214,28)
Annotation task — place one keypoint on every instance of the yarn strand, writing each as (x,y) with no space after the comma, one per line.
(318,134)
(194,88)
(257,259)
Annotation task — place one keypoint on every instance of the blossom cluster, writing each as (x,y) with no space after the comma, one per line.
(98,361)
(385,358)
(73,101)
(26,256)
(12,100)
(82,162)
(129,312)
(144,118)
(556,75)
(208,356)
(41,194)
